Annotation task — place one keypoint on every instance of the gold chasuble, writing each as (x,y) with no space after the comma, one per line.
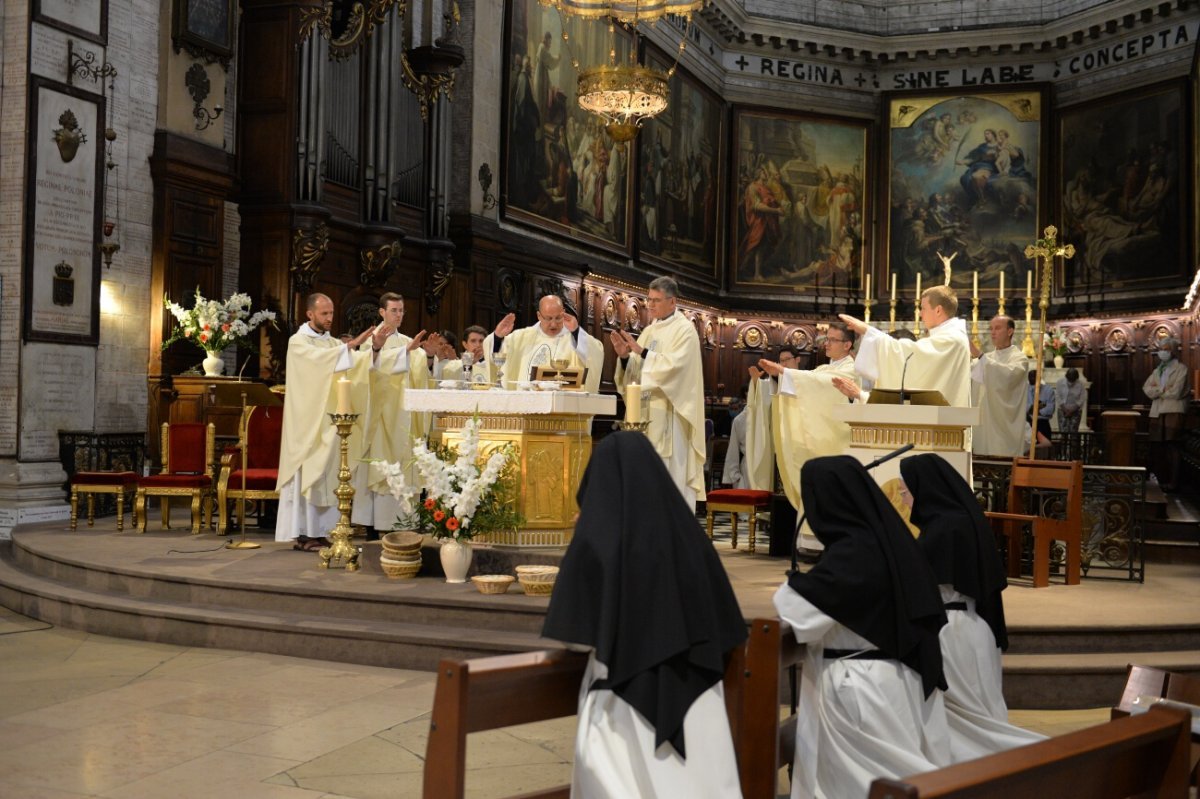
(671,372)
(530,347)
(803,427)
(309,446)
(941,361)
(1001,392)
(760,444)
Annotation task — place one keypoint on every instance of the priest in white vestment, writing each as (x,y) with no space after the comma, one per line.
(664,362)
(957,541)
(999,382)
(557,336)
(644,593)
(389,429)
(309,448)
(802,422)
(760,437)
(869,613)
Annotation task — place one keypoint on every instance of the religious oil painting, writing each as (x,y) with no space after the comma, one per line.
(964,184)
(800,198)
(1124,163)
(679,164)
(562,171)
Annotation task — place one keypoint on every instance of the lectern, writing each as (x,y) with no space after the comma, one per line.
(876,430)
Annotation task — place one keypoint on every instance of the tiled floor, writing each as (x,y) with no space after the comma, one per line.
(88,716)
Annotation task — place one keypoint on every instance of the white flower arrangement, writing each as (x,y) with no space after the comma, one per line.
(213,325)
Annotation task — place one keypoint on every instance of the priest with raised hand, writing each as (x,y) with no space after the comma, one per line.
(760,441)
(665,361)
(801,417)
(999,383)
(940,362)
(389,430)
(557,336)
(309,446)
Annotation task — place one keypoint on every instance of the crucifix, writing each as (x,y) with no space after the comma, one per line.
(1047,249)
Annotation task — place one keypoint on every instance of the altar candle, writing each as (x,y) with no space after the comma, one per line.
(343,396)
(1029,285)
(1002,284)
(633,403)
(918,285)
(975,286)
(893,284)
(868,291)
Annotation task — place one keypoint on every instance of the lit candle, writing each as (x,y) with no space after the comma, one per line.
(893,284)
(1029,285)
(918,285)
(343,396)
(633,402)
(868,291)
(975,286)
(1001,285)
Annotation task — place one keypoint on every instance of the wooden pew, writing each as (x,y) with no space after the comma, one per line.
(766,744)
(489,693)
(1149,681)
(1145,755)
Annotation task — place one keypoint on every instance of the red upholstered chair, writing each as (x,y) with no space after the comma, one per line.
(92,483)
(735,501)
(261,430)
(187,453)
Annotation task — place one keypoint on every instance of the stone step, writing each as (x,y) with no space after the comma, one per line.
(1074,681)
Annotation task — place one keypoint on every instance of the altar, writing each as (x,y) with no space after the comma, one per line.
(552,432)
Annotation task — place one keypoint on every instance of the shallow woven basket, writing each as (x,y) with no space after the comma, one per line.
(492,583)
(537,580)
(402,542)
(398,569)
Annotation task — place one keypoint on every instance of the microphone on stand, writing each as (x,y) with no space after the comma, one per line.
(903,372)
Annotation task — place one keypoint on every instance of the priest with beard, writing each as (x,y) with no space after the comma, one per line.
(642,590)
(957,541)
(869,612)
(556,336)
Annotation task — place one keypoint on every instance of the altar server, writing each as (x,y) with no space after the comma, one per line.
(999,383)
(958,543)
(557,336)
(869,612)
(642,589)
(760,440)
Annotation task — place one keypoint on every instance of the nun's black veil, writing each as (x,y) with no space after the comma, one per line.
(642,584)
(871,577)
(956,538)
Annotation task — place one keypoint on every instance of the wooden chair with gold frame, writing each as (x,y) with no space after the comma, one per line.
(187,453)
(259,438)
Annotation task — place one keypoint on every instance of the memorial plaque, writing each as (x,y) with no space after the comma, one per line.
(86,18)
(64,204)
(57,384)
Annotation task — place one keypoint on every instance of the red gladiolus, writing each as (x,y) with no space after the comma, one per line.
(429,503)
(438,515)
(452,524)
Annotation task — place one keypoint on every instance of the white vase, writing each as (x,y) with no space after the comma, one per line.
(456,559)
(1058,361)
(214,364)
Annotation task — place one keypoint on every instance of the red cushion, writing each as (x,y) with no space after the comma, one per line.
(175,481)
(256,480)
(104,479)
(739,496)
(186,444)
(263,432)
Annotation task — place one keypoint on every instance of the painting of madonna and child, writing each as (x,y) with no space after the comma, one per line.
(1123,205)
(964,176)
(799,201)
(562,171)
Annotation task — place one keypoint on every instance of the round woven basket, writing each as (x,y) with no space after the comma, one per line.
(402,542)
(537,580)
(400,569)
(492,583)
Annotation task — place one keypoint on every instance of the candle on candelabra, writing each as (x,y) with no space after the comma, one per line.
(918,285)
(1001,285)
(633,403)
(343,396)
(975,286)
(867,293)
(893,284)
(1029,285)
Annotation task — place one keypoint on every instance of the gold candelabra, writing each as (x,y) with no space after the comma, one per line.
(975,321)
(892,316)
(341,550)
(1001,311)
(867,303)
(1045,249)
(639,427)
(917,316)
(1027,342)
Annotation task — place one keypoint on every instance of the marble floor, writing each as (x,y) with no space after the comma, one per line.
(84,715)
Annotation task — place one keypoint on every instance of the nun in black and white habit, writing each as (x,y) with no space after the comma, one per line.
(643,589)
(957,541)
(869,612)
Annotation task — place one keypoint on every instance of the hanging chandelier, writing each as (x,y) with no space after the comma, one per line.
(627,11)
(624,95)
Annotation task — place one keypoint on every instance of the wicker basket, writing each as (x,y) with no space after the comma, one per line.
(400,569)
(403,542)
(492,583)
(537,580)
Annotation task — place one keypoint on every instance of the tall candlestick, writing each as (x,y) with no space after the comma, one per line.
(867,293)
(1002,285)
(633,402)
(1028,285)
(918,286)
(893,284)
(975,285)
(343,396)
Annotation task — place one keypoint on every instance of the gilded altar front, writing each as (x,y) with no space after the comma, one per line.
(551,432)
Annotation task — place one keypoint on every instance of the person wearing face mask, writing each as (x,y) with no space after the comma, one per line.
(1069,395)
(1167,387)
(734,474)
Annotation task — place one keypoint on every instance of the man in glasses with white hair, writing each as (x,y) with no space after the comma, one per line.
(1167,386)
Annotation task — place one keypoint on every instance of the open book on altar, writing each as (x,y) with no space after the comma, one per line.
(570,378)
(915,396)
